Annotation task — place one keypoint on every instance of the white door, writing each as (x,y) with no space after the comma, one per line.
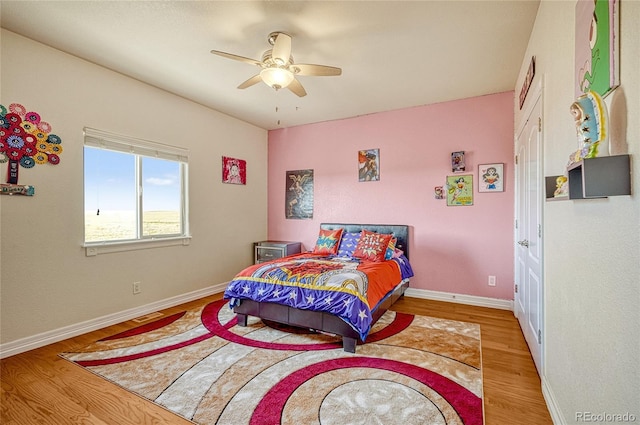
(529,198)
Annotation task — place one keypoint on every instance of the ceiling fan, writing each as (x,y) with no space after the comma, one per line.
(278,69)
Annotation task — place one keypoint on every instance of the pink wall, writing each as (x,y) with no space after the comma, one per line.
(452,249)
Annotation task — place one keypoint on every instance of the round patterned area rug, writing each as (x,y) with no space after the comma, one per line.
(200,365)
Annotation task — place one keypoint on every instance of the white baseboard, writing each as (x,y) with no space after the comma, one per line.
(50,337)
(460,298)
(552,404)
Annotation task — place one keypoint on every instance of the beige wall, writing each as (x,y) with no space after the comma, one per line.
(592,247)
(47,282)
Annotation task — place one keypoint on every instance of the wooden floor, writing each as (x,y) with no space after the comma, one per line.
(38,387)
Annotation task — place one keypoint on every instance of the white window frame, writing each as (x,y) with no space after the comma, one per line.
(138,147)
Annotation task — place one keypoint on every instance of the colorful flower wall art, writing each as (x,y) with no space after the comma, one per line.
(26,140)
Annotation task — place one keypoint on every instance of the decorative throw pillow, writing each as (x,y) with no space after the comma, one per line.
(388,255)
(348,244)
(372,246)
(328,242)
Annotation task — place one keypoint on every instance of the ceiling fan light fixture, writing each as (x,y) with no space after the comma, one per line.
(277,78)
(277,69)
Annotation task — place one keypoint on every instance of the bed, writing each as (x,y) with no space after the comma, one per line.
(326,292)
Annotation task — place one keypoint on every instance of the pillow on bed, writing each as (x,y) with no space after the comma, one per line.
(328,242)
(372,246)
(348,244)
(388,254)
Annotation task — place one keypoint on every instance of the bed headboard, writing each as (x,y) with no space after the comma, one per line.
(401,232)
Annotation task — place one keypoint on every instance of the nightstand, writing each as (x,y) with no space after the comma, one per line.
(270,250)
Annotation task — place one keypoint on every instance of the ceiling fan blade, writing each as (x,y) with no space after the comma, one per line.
(282,48)
(251,81)
(315,70)
(297,88)
(236,57)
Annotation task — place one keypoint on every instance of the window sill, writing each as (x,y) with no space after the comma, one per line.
(93,249)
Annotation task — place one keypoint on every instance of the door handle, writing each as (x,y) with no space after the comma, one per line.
(524,242)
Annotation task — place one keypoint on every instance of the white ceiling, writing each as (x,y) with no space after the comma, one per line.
(393,54)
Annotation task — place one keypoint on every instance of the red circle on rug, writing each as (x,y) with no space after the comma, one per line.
(466,404)
(211,322)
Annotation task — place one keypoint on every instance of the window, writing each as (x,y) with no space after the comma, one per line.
(135,191)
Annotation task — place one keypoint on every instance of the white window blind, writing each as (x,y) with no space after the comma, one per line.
(102,139)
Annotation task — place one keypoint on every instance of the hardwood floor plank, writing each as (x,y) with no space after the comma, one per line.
(39,387)
(511,385)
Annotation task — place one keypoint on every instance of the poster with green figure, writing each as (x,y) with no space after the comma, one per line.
(596,47)
(460,190)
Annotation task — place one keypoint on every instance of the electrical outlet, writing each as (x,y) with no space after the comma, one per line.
(492,281)
(136,288)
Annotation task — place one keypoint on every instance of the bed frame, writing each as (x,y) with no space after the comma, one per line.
(321,321)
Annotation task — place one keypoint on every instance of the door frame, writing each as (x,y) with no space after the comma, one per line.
(536,94)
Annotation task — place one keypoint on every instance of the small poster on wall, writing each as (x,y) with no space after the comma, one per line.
(490,178)
(460,190)
(299,194)
(234,170)
(369,165)
(457,162)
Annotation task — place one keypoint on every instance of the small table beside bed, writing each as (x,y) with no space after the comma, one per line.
(343,286)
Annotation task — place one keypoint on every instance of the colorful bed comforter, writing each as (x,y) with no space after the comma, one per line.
(346,287)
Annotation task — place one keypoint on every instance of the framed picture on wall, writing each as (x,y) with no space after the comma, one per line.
(369,165)
(457,162)
(491,177)
(234,171)
(299,194)
(460,190)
